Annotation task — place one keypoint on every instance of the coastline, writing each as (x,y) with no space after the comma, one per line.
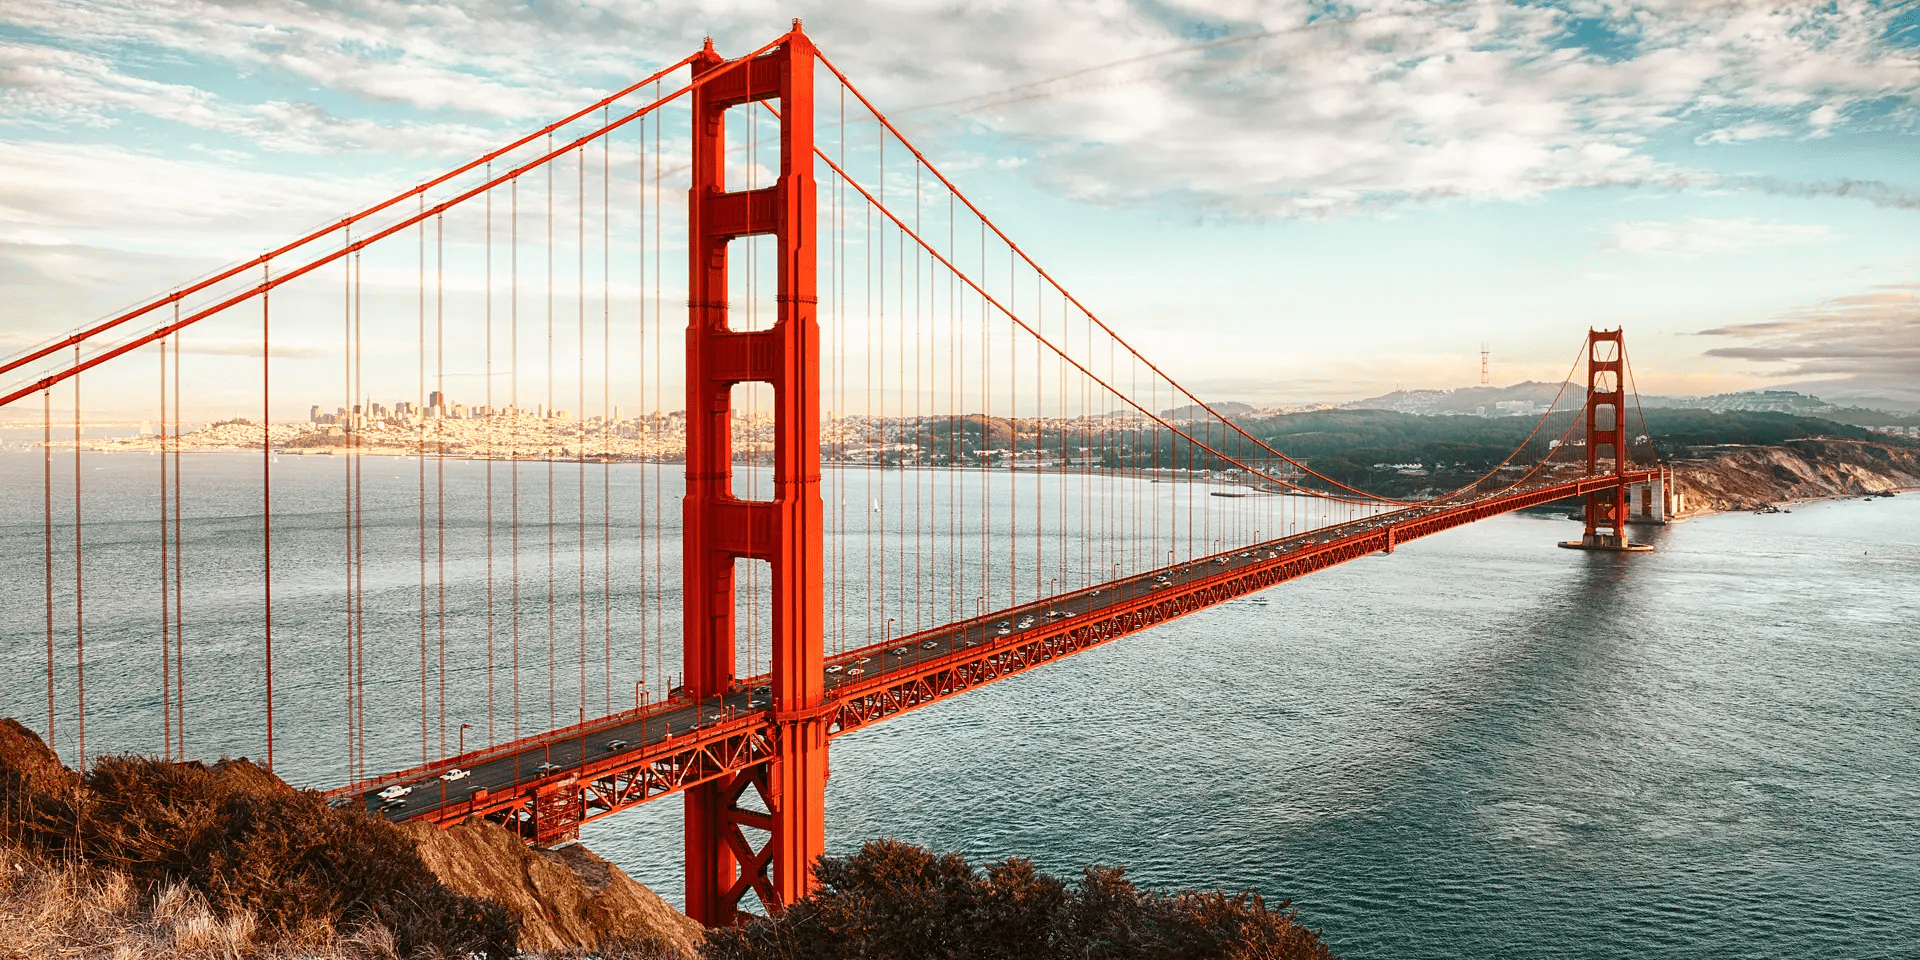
(1741,478)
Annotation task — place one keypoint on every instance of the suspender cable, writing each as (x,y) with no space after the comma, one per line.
(640,393)
(46,566)
(580,411)
(166,611)
(179,575)
(440,458)
(79,617)
(546,434)
(266,498)
(578,429)
(354,748)
(492,451)
(357,467)
(420,452)
(420,191)
(659,491)
(513,444)
(606,414)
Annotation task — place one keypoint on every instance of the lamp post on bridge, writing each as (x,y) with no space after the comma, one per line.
(463,738)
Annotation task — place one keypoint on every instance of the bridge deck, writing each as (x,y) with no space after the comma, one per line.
(550,783)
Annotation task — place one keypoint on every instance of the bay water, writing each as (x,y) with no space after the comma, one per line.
(1481,745)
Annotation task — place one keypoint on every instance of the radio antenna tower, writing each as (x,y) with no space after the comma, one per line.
(1485,379)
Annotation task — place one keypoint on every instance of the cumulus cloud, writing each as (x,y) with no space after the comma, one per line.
(52,88)
(54,192)
(1756,130)
(1696,237)
(1222,107)
(1868,342)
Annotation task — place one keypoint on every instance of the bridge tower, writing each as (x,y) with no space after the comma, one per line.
(1606,509)
(723,862)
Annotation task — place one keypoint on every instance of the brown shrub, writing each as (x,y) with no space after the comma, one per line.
(247,843)
(895,900)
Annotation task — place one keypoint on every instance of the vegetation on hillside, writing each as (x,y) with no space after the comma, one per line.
(234,843)
(896,901)
(1370,448)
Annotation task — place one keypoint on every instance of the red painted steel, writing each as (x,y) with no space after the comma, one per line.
(1606,510)
(728,743)
(343,224)
(723,863)
(347,248)
(753,769)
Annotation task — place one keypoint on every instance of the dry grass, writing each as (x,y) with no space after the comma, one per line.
(53,909)
(72,910)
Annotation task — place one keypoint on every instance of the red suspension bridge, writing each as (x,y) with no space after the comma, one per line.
(914,464)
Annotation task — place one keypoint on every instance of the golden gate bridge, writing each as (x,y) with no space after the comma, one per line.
(914,464)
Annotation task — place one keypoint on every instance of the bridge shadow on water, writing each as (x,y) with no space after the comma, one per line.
(1542,796)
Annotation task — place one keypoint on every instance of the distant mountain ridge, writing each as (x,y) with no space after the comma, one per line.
(1520,399)
(1531,397)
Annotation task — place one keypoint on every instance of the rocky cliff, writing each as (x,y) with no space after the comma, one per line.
(1753,477)
(564,899)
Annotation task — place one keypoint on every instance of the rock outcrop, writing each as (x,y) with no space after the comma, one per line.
(565,899)
(1751,477)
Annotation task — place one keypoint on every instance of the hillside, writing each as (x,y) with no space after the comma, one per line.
(1400,454)
(1758,477)
(140,858)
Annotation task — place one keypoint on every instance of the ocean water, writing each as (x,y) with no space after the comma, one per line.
(1482,745)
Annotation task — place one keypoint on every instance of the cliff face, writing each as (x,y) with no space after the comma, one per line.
(1748,478)
(565,899)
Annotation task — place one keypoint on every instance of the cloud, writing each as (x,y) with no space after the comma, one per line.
(1696,237)
(1756,130)
(1867,339)
(1413,102)
(55,192)
(52,89)
(1283,111)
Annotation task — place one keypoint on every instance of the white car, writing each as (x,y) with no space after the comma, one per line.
(456,774)
(835,668)
(930,645)
(395,792)
(548,767)
(899,651)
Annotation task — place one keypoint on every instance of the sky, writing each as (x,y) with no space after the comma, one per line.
(1280,202)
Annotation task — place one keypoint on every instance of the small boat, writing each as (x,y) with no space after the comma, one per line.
(1219,493)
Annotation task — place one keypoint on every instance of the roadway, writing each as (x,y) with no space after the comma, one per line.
(514,768)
